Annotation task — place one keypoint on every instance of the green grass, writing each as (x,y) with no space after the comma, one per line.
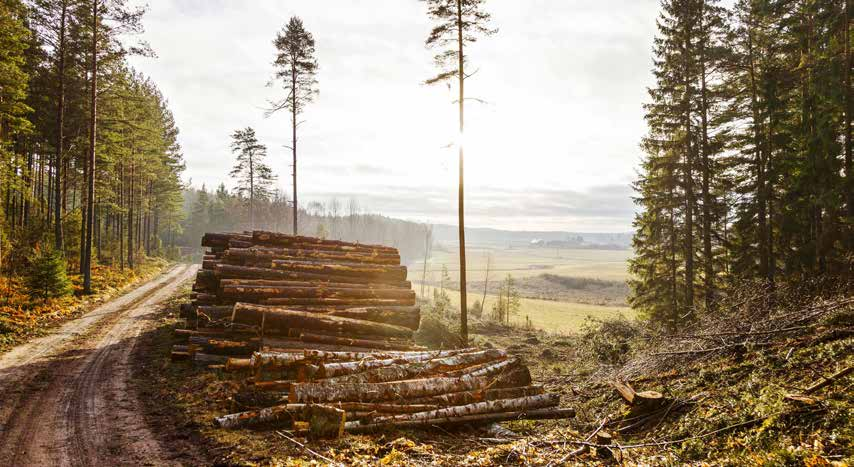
(526,262)
(547,315)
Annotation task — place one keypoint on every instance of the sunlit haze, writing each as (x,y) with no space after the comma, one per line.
(554,146)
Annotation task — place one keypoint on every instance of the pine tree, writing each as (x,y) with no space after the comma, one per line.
(296,68)
(254,178)
(46,277)
(457,23)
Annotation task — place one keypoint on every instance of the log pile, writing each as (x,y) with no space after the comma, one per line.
(320,335)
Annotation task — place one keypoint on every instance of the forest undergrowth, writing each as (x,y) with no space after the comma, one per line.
(24,316)
(783,399)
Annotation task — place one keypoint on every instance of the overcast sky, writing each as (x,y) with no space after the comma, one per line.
(554,148)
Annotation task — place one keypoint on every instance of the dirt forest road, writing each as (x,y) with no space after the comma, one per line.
(66,398)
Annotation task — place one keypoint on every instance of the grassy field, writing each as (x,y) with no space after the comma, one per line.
(547,315)
(526,262)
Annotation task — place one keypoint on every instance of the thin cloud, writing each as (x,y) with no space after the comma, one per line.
(557,143)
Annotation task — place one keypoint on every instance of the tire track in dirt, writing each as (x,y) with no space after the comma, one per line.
(66,397)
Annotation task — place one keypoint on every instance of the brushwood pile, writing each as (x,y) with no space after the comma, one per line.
(319,335)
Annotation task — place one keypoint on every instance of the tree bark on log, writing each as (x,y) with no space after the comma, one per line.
(496,406)
(470,397)
(324,421)
(345,302)
(316,292)
(538,414)
(283,318)
(397,273)
(216,346)
(230,271)
(274,238)
(354,342)
(330,370)
(267,255)
(409,317)
(376,392)
(416,369)
(286,283)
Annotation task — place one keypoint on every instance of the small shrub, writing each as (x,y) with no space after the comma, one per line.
(436,333)
(610,339)
(46,277)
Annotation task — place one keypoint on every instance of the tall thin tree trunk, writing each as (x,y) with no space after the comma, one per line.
(759,160)
(426,257)
(708,259)
(464,326)
(294,109)
(130,216)
(485,283)
(849,108)
(60,132)
(93,126)
(82,189)
(688,181)
(252,191)
(120,217)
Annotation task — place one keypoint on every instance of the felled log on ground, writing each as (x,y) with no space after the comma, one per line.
(414,369)
(218,346)
(372,271)
(338,302)
(470,397)
(267,255)
(245,313)
(537,414)
(220,240)
(355,342)
(511,371)
(323,356)
(324,421)
(274,238)
(251,282)
(231,271)
(377,392)
(406,316)
(496,406)
(315,292)
(329,370)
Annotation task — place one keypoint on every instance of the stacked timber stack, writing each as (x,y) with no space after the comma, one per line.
(320,334)
(327,393)
(272,290)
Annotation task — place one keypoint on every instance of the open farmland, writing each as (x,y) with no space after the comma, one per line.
(548,315)
(526,262)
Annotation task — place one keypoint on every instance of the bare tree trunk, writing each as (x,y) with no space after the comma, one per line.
(689,183)
(758,159)
(93,127)
(120,219)
(708,259)
(130,217)
(485,283)
(846,80)
(464,326)
(427,236)
(294,138)
(60,124)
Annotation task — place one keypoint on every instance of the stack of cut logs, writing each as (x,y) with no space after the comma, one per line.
(320,334)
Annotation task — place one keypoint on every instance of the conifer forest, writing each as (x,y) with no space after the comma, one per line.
(426,232)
